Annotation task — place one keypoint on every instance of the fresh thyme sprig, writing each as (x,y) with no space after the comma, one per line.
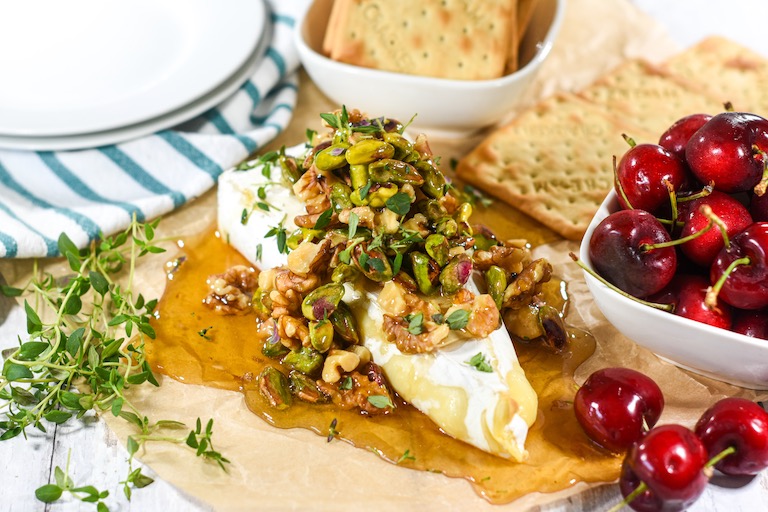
(80,329)
(85,349)
(50,493)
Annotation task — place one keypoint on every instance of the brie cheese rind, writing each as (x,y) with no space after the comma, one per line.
(489,410)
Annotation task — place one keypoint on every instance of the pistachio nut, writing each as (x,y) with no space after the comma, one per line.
(447,226)
(359,175)
(373,263)
(456,273)
(322,301)
(377,198)
(332,157)
(340,193)
(437,247)
(289,168)
(432,209)
(310,158)
(423,272)
(344,324)
(496,280)
(366,151)
(389,170)
(434,181)
(275,388)
(483,241)
(463,212)
(306,360)
(321,335)
(273,347)
(261,303)
(344,273)
(305,388)
(357,200)
(403,147)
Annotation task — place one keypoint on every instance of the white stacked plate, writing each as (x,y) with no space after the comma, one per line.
(86,73)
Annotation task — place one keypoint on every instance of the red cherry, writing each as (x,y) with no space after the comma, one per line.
(723,151)
(670,461)
(619,252)
(641,174)
(688,292)
(739,423)
(677,136)
(734,215)
(616,406)
(746,286)
(758,207)
(753,323)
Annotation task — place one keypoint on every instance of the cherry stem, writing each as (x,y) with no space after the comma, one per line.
(640,489)
(763,184)
(629,140)
(704,192)
(720,456)
(711,299)
(714,220)
(664,307)
(619,187)
(673,201)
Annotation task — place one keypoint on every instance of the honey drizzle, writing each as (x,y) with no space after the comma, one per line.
(195,345)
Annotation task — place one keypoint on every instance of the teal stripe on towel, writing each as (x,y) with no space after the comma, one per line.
(11,247)
(90,227)
(277,59)
(253,92)
(79,187)
(263,119)
(281,18)
(140,176)
(217,119)
(52,246)
(193,154)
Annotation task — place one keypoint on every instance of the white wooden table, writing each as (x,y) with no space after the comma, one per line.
(98,459)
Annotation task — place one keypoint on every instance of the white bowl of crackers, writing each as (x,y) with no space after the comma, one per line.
(458,66)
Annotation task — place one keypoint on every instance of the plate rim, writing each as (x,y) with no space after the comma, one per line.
(160,100)
(127,133)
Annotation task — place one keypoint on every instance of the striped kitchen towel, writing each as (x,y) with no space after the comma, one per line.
(88,192)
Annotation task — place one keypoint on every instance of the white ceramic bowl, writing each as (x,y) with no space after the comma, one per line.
(710,351)
(444,107)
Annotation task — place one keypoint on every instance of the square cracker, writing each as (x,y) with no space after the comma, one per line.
(460,39)
(332,29)
(513,51)
(554,162)
(525,9)
(727,71)
(648,96)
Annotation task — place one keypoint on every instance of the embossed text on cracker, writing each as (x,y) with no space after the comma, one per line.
(576,183)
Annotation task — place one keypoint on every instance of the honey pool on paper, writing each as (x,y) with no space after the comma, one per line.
(197,346)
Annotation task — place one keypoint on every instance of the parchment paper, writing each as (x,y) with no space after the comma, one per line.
(274,469)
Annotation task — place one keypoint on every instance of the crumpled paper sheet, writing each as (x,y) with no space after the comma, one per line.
(273,469)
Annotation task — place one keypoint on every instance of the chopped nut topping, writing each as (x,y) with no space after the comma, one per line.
(528,283)
(354,393)
(231,291)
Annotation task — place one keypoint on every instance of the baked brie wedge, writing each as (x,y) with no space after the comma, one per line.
(442,349)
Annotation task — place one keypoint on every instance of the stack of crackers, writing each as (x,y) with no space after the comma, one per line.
(457,39)
(554,162)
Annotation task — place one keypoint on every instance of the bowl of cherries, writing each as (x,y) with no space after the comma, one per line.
(676,257)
